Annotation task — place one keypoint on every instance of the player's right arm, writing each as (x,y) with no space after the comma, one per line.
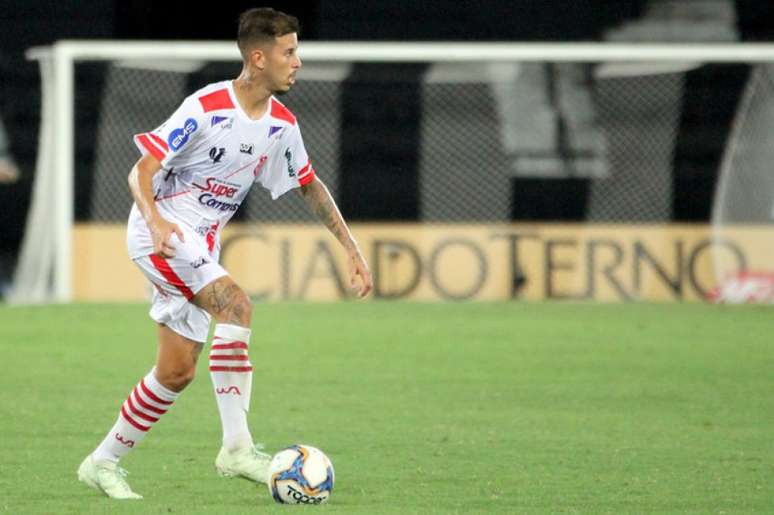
(141,186)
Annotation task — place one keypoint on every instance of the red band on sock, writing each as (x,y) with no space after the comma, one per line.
(145,405)
(152,395)
(139,413)
(232,345)
(231,369)
(131,421)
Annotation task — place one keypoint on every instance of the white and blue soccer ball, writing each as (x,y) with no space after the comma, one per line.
(301,474)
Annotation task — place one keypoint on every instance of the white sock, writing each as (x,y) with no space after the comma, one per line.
(139,412)
(232,378)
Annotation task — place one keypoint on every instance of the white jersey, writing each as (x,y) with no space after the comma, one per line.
(211,154)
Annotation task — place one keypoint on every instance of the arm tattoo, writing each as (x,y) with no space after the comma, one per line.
(322,204)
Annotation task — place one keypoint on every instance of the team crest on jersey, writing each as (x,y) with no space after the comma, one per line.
(178,137)
(274,129)
(224,121)
(246,148)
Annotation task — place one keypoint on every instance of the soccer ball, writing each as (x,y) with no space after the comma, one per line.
(301,474)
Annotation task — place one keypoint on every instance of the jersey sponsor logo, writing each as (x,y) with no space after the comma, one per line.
(127,442)
(218,188)
(208,200)
(274,129)
(289,159)
(178,137)
(230,389)
(216,154)
(246,148)
(215,188)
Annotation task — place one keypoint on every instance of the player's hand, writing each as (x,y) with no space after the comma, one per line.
(161,232)
(359,268)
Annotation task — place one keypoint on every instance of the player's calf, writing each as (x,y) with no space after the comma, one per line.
(176,361)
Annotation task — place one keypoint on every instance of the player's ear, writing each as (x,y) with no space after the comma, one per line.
(258,58)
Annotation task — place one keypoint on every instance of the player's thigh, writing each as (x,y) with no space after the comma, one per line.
(185,274)
(225,301)
(176,281)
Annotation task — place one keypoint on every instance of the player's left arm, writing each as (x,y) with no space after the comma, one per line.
(320,201)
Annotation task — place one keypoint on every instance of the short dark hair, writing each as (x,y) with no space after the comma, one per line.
(262,25)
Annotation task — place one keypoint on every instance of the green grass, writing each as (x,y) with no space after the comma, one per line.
(518,408)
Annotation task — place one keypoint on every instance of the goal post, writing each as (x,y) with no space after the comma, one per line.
(45,270)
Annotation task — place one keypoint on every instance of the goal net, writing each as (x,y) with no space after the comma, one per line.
(498,134)
(743,210)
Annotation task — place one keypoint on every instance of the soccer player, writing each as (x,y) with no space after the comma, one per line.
(195,171)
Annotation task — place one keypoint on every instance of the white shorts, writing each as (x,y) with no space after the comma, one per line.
(176,281)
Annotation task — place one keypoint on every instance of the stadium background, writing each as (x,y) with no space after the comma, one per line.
(375,160)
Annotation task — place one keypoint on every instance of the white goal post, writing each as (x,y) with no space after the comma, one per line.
(44,270)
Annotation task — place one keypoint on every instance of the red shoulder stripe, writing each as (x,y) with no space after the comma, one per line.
(159,141)
(281,112)
(150,147)
(216,100)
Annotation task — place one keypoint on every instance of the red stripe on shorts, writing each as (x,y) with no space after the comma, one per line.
(172,278)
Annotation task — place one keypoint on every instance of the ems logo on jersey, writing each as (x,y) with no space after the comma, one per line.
(289,158)
(224,121)
(178,137)
(246,148)
(274,129)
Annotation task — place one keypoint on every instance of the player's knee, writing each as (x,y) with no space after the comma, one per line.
(177,378)
(241,309)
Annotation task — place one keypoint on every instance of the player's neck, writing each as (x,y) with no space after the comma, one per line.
(252,95)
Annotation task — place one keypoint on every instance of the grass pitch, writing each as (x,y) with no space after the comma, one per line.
(517,408)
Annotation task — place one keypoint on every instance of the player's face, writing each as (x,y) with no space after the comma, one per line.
(282,63)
